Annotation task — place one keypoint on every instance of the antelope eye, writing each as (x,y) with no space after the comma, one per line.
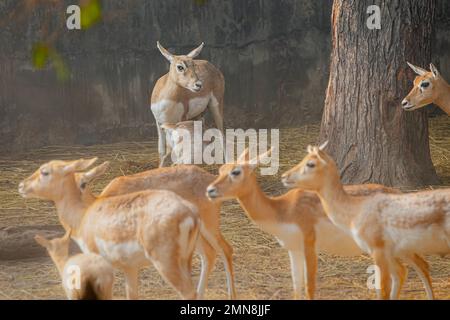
(180,67)
(235,172)
(83,185)
(425,84)
(44,173)
(310,164)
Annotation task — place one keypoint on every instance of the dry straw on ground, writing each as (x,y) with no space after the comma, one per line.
(262,267)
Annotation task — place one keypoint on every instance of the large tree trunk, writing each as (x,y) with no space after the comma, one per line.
(371,138)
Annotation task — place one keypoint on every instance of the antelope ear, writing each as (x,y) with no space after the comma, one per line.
(94,173)
(323,145)
(417,70)
(79,165)
(244,157)
(261,156)
(310,149)
(266,154)
(194,53)
(164,52)
(42,241)
(435,71)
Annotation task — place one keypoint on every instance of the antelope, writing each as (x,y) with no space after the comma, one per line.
(175,134)
(130,231)
(386,226)
(189,182)
(96,275)
(296,219)
(429,87)
(185,92)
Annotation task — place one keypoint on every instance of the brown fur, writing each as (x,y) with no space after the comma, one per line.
(178,88)
(190,182)
(438,92)
(371,218)
(297,207)
(149,224)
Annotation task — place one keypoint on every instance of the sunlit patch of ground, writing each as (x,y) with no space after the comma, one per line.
(261,266)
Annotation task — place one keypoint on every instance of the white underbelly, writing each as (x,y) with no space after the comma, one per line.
(333,240)
(168,111)
(288,235)
(122,254)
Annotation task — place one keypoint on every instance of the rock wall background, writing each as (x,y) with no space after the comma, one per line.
(274,55)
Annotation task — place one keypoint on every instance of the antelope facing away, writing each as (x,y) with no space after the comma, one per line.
(96,275)
(296,219)
(189,182)
(130,231)
(386,226)
(185,92)
(429,87)
(175,134)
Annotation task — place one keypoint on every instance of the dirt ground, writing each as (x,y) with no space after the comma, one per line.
(261,266)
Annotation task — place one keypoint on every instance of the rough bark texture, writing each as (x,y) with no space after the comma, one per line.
(371,138)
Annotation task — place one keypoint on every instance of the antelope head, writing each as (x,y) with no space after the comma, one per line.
(233,180)
(53,179)
(427,87)
(183,69)
(57,248)
(311,172)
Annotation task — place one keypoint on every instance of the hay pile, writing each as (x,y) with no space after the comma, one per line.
(262,268)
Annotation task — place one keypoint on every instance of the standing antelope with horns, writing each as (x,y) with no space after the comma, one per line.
(96,275)
(296,219)
(429,87)
(386,226)
(189,182)
(185,92)
(130,231)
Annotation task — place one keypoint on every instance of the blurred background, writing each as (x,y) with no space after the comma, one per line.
(93,86)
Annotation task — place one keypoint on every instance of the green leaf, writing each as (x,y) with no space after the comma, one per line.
(91,13)
(40,54)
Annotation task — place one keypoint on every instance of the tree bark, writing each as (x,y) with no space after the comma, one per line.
(371,138)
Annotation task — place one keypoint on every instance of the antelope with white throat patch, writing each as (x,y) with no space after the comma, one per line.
(185,92)
(386,226)
(296,219)
(429,87)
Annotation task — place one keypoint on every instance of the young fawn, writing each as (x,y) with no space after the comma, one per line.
(95,275)
(386,226)
(130,231)
(296,219)
(189,182)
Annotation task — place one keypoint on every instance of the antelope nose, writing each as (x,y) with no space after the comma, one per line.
(198,85)
(211,192)
(404,102)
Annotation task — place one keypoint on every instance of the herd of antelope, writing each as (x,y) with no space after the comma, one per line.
(160,217)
